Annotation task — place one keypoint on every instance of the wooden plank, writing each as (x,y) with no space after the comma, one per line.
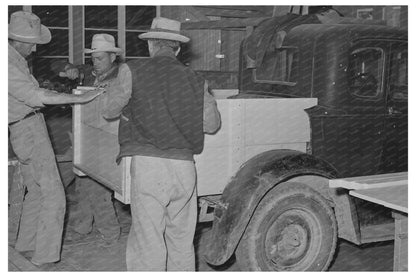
(401,242)
(244,134)
(391,197)
(124,197)
(77,34)
(204,46)
(286,112)
(372,181)
(193,14)
(230,13)
(230,47)
(76,127)
(240,137)
(379,232)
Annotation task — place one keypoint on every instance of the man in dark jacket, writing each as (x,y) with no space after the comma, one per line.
(162,127)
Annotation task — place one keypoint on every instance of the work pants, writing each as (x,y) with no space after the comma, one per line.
(94,204)
(43,210)
(164,214)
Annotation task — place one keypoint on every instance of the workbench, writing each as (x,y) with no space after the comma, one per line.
(391,191)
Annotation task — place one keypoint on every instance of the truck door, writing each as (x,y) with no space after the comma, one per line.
(349,131)
(365,120)
(395,149)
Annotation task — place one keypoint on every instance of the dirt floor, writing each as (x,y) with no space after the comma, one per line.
(87,253)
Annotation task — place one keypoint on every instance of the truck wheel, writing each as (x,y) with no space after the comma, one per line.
(292,229)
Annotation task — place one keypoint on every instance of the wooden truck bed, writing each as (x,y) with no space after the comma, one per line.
(249,127)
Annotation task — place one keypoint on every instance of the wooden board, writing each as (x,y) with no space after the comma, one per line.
(204,46)
(249,127)
(373,181)
(246,131)
(394,197)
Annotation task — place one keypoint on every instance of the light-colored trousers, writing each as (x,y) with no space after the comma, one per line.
(164,215)
(43,211)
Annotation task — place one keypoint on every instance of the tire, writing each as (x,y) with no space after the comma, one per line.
(292,229)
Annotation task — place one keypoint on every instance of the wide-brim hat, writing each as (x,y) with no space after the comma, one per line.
(26,27)
(103,43)
(164,28)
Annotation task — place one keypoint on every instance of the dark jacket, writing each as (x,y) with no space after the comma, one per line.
(89,76)
(165,112)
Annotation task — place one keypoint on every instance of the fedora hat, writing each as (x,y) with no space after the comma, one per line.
(26,27)
(103,43)
(164,28)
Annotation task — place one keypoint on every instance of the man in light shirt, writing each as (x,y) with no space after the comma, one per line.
(43,211)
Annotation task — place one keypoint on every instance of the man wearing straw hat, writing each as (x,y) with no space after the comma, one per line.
(44,204)
(94,200)
(162,127)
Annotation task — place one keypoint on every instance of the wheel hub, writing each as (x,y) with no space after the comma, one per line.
(292,244)
(288,239)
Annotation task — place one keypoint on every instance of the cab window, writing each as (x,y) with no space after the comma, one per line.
(365,72)
(399,73)
(278,66)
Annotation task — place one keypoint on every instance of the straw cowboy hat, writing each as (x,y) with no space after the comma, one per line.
(103,43)
(26,27)
(163,28)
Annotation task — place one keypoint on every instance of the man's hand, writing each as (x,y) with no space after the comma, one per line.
(71,72)
(89,95)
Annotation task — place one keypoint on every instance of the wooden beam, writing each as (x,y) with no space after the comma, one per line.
(223,23)
(372,181)
(230,13)
(77,35)
(262,9)
(193,13)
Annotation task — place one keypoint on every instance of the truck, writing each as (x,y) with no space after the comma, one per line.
(316,100)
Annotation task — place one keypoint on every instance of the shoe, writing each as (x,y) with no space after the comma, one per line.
(38,264)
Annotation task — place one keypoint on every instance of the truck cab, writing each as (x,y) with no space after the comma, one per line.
(358,73)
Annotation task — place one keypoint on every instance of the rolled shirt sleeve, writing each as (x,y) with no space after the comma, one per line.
(24,93)
(23,87)
(212,118)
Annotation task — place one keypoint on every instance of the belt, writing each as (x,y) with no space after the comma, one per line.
(25,117)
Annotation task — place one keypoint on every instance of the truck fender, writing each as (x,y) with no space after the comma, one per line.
(245,191)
